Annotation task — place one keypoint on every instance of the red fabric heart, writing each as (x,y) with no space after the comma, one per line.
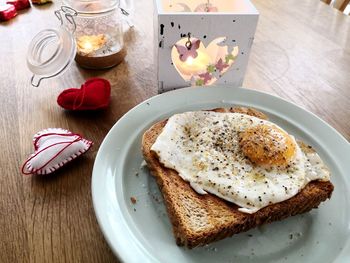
(94,94)
(7,12)
(19,4)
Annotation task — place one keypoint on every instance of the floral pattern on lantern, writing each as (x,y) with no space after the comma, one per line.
(203,65)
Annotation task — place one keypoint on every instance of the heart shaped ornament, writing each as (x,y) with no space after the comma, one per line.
(19,4)
(202,65)
(53,148)
(7,12)
(94,94)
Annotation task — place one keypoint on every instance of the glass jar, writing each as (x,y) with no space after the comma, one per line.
(98,33)
(90,31)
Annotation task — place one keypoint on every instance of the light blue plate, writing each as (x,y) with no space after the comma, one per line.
(142,232)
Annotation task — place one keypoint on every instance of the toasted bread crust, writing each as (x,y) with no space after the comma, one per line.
(201,219)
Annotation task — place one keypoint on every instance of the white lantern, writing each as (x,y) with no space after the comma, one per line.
(202,42)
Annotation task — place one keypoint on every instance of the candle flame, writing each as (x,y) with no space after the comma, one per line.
(191,66)
(90,43)
(87,45)
(189,60)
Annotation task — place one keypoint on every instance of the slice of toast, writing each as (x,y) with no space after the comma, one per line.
(200,219)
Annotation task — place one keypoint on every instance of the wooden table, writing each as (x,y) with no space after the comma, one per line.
(301,52)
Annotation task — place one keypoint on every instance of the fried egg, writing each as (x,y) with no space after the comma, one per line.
(240,158)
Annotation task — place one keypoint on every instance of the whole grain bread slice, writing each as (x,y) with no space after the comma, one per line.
(201,219)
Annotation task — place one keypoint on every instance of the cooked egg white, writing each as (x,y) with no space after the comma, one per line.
(242,159)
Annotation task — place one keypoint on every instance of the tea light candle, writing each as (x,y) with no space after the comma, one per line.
(95,52)
(87,45)
(192,65)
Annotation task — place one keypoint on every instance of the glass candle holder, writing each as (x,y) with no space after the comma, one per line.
(98,34)
(90,31)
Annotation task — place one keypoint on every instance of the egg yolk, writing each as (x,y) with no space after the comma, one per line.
(267,145)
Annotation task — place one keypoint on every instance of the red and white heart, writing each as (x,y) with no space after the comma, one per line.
(54,147)
(7,12)
(19,4)
(202,65)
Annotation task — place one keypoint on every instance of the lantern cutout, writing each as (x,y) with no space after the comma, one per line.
(203,42)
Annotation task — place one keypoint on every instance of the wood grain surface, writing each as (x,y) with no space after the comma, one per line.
(301,53)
